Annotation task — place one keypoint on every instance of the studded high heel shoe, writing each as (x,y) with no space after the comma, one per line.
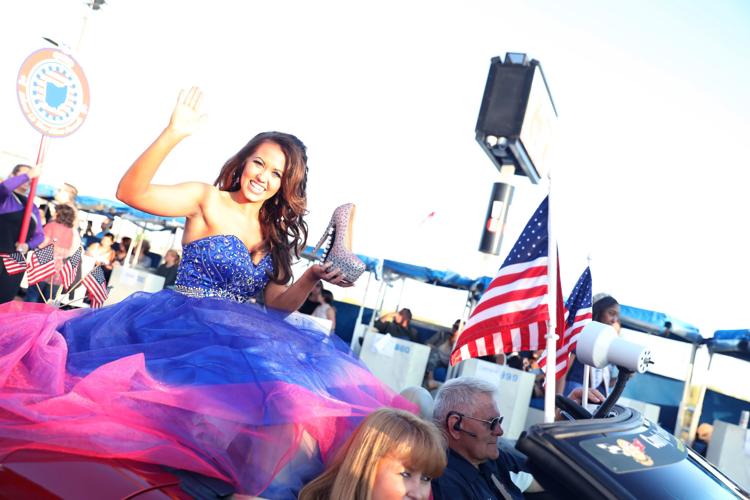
(338,243)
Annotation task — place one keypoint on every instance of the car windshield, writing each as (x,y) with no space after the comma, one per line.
(651,463)
(684,479)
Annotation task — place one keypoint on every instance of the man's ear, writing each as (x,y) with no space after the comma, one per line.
(451,422)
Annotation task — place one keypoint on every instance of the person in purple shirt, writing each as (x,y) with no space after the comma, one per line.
(13,192)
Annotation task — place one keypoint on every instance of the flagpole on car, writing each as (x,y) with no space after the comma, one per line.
(551,337)
(586,368)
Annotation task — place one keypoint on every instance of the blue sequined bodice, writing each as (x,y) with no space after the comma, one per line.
(221,266)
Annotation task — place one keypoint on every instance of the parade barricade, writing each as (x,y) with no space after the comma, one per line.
(399,363)
(729,450)
(125,281)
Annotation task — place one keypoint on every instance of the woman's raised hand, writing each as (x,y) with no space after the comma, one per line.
(186,117)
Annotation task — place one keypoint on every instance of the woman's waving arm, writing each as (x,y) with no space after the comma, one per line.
(135,187)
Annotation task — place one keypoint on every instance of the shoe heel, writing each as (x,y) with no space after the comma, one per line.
(327,234)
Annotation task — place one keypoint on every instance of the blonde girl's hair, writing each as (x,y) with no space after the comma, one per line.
(385,432)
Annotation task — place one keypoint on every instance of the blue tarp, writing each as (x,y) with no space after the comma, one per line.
(111,208)
(449,279)
(654,322)
(735,343)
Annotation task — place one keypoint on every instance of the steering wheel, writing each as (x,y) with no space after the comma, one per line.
(573,409)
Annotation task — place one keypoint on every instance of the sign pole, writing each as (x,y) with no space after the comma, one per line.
(32,192)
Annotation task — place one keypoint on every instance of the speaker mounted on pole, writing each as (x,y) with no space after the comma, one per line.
(517,116)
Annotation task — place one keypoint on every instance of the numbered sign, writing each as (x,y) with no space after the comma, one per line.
(53,92)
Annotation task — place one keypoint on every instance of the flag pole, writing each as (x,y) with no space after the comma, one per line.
(51,288)
(551,337)
(586,368)
(37,284)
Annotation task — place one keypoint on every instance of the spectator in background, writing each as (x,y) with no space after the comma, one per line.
(62,233)
(88,235)
(311,303)
(325,307)
(103,254)
(106,228)
(121,250)
(441,344)
(66,194)
(13,192)
(398,324)
(702,438)
(145,257)
(534,359)
(605,310)
(169,268)
(392,454)
(514,361)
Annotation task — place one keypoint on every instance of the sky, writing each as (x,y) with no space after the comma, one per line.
(649,164)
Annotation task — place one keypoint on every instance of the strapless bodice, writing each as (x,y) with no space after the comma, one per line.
(221,266)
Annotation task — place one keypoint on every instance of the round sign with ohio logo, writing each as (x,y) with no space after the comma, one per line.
(53,92)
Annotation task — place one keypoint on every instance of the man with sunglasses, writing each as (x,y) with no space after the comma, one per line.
(466,411)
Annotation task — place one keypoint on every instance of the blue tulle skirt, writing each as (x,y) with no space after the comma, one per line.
(203,385)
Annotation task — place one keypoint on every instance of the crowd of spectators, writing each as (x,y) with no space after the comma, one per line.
(58,220)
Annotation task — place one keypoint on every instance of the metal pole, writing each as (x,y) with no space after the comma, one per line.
(355,333)
(401,293)
(680,430)
(586,375)
(699,404)
(551,337)
(379,303)
(364,298)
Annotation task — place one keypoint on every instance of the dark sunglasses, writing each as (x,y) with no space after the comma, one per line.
(494,424)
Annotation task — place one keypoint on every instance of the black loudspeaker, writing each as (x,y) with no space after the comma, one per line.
(497,215)
(517,115)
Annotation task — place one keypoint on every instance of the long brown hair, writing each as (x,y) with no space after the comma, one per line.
(281,217)
(385,432)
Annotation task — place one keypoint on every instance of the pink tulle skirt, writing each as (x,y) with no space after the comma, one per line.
(205,386)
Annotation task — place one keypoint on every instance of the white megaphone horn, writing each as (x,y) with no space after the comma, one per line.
(599,345)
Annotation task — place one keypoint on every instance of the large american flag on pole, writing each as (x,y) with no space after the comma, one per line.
(70,268)
(41,265)
(578,314)
(14,262)
(96,286)
(512,314)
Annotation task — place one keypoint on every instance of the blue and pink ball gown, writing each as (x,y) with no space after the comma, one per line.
(196,379)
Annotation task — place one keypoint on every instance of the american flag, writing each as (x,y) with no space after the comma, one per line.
(512,314)
(14,262)
(41,265)
(97,286)
(578,314)
(70,268)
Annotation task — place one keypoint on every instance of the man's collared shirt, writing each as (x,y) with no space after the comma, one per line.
(491,481)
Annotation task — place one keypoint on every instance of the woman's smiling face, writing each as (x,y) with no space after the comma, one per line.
(263,171)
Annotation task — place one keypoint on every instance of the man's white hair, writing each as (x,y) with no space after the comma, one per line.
(459,394)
